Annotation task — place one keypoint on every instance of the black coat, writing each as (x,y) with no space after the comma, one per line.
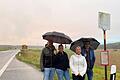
(61,61)
(47,58)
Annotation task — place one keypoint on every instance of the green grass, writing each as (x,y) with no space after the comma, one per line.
(32,56)
(99,73)
(3,49)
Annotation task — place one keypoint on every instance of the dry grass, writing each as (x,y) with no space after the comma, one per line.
(114,58)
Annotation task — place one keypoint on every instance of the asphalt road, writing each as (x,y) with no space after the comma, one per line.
(12,69)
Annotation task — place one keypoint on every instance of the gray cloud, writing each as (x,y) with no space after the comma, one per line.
(24,21)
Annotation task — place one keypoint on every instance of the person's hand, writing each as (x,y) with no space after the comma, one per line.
(55,51)
(68,69)
(91,67)
(42,70)
(76,74)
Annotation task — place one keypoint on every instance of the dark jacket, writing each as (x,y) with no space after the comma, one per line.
(61,61)
(47,57)
(91,57)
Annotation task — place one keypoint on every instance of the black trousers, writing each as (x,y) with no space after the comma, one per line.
(77,77)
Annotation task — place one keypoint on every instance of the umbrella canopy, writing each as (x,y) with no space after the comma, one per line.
(80,42)
(57,37)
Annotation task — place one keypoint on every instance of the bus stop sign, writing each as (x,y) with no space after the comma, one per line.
(104,21)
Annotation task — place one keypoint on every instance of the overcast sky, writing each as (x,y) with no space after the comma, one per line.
(25,21)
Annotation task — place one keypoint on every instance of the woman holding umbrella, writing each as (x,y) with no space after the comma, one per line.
(78,65)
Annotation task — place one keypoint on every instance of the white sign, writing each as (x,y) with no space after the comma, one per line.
(104,57)
(113,69)
(104,21)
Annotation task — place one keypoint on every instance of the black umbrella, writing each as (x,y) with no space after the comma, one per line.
(80,42)
(57,37)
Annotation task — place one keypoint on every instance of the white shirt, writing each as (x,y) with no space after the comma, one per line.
(78,64)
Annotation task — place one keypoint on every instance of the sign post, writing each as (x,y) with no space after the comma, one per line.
(104,24)
(113,72)
(104,58)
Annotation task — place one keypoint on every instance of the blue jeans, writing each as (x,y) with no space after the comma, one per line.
(89,73)
(61,74)
(49,73)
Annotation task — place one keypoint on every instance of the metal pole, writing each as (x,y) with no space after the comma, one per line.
(105,50)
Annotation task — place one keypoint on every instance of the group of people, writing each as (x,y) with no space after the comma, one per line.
(80,63)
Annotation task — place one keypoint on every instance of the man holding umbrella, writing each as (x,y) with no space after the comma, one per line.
(48,56)
(47,61)
(90,58)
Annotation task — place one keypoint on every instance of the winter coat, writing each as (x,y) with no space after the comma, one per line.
(78,64)
(61,61)
(47,58)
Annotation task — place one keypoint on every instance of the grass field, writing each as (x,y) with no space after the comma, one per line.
(32,56)
(3,49)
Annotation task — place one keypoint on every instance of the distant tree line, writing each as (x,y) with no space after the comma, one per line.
(111,46)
